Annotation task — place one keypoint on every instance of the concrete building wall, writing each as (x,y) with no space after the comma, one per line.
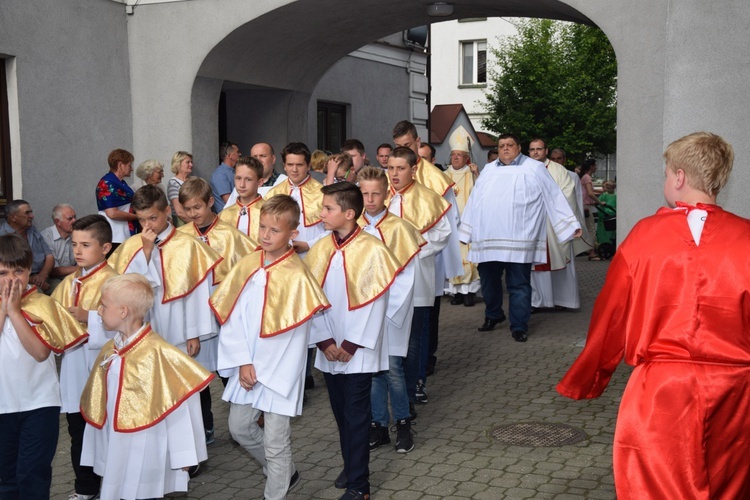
(375,94)
(445,64)
(72,95)
(88,77)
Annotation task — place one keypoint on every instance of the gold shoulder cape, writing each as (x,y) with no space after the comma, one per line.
(185,262)
(312,198)
(51,322)
(399,235)
(432,177)
(155,378)
(369,266)
(231,215)
(420,206)
(232,244)
(88,292)
(292,295)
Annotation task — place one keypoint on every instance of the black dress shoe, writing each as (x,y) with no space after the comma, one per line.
(519,336)
(457,299)
(469,300)
(489,324)
(340,482)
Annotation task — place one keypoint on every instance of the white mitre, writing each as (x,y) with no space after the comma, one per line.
(461,140)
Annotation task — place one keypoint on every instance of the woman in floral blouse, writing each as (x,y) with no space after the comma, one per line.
(113,196)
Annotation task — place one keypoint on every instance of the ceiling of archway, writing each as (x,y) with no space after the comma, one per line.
(293,46)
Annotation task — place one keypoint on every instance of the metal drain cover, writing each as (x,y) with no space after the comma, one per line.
(537,434)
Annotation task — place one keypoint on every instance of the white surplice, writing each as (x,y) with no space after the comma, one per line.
(180,320)
(400,302)
(146,463)
(426,277)
(504,216)
(364,326)
(279,361)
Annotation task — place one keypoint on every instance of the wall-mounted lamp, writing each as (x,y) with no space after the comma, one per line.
(440,9)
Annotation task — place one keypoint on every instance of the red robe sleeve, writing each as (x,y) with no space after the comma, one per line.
(605,343)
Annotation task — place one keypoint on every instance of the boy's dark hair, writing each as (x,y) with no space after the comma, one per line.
(97,225)
(404,127)
(510,136)
(15,251)
(149,196)
(117,156)
(296,148)
(347,196)
(385,145)
(252,163)
(405,153)
(491,152)
(195,187)
(282,206)
(350,144)
(538,139)
(433,151)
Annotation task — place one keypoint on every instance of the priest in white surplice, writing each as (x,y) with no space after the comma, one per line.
(504,220)
(554,283)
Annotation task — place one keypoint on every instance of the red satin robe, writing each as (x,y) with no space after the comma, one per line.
(680,313)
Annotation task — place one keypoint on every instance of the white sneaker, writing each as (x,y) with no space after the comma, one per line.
(78,496)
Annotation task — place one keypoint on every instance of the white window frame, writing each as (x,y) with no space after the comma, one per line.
(475,50)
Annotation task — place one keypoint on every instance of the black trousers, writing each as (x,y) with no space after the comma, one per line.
(350,401)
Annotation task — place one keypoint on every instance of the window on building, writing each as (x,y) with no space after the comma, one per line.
(331,126)
(5,166)
(474,62)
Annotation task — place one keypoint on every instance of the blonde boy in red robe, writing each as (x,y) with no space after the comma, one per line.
(675,305)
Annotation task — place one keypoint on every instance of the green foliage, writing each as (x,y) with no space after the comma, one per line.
(555,80)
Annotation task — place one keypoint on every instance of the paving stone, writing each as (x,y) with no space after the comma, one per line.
(505,382)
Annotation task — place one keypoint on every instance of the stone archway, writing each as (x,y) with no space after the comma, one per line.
(179,51)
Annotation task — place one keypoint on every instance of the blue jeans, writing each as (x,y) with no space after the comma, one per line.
(390,383)
(518,281)
(418,338)
(28,440)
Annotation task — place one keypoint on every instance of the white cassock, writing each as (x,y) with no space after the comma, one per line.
(400,304)
(262,190)
(309,234)
(146,463)
(448,261)
(364,326)
(179,320)
(504,219)
(426,276)
(559,287)
(77,363)
(279,361)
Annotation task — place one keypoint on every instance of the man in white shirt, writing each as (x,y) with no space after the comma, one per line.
(504,220)
(57,237)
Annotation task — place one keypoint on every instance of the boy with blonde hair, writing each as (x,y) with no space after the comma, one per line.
(405,241)
(180,269)
(263,342)
(144,427)
(243,210)
(29,388)
(80,293)
(675,305)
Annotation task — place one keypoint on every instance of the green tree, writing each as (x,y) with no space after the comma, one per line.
(555,80)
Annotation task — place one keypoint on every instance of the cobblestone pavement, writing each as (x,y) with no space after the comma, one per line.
(482,380)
